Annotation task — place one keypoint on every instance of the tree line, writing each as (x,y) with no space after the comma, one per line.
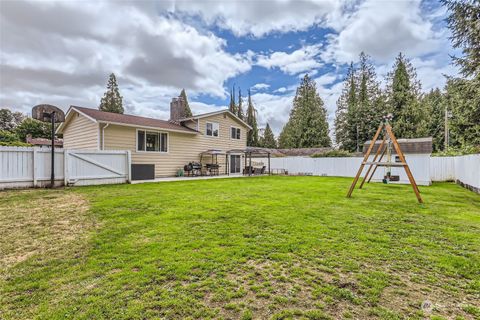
(363,102)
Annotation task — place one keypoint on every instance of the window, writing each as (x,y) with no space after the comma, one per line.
(212,129)
(235,133)
(151,141)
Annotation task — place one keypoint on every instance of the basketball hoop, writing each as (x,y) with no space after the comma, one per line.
(52,114)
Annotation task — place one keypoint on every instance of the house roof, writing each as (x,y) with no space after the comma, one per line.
(128,120)
(209,114)
(411,146)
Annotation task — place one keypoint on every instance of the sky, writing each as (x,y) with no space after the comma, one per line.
(62,53)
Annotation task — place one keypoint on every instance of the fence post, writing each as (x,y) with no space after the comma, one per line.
(35,164)
(129,167)
(65,167)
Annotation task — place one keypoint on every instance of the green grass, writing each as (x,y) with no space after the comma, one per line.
(252,248)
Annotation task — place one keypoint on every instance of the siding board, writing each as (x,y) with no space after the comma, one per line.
(182,148)
(81,133)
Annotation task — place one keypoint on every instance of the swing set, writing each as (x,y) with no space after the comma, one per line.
(389,142)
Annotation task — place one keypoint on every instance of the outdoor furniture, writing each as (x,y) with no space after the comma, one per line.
(249,153)
(212,169)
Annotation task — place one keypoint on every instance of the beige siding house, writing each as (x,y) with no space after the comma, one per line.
(167,145)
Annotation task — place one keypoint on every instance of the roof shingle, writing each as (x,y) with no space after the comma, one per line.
(127,119)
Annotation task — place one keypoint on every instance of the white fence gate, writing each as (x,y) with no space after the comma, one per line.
(23,167)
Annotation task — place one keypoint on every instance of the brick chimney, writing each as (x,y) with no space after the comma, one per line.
(177,109)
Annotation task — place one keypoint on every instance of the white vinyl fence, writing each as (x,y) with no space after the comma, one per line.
(23,167)
(425,169)
(348,167)
(463,169)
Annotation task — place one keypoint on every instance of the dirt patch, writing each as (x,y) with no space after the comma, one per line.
(40,222)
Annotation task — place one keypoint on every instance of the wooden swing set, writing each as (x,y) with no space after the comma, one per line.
(385,147)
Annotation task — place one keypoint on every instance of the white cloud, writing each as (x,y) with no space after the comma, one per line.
(260,87)
(61,61)
(258,18)
(274,109)
(382,29)
(302,60)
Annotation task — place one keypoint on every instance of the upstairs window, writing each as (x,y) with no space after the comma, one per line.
(151,141)
(235,133)
(212,129)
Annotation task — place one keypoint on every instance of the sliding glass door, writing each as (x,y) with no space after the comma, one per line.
(235,163)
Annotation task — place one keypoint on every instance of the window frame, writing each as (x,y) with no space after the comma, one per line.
(159,133)
(218,129)
(238,131)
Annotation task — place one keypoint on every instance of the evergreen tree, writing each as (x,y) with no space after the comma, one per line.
(463,101)
(269,138)
(434,125)
(188,111)
(464,23)
(307,126)
(252,137)
(346,105)
(232,107)
(112,100)
(239,107)
(403,94)
(360,107)
(370,107)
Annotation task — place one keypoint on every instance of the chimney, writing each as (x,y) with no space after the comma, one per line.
(177,109)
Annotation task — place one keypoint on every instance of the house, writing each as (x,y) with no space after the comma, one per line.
(42,142)
(160,148)
(417,153)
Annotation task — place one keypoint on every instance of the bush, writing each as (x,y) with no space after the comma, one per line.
(451,152)
(7,136)
(14,144)
(333,154)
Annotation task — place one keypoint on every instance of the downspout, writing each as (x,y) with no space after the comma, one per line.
(103,136)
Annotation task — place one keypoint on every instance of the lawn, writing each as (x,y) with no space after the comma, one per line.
(247,248)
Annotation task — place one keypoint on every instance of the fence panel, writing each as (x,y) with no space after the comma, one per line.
(86,167)
(23,167)
(442,168)
(467,171)
(348,167)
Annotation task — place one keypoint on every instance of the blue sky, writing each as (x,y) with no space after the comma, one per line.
(158,48)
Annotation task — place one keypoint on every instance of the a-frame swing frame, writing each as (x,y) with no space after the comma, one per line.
(387,133)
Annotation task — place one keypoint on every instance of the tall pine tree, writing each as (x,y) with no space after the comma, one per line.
(307,126)
(239,106)
(268,140)
(434,125)
(188,111)
(463,21)
(112,100)
(232,107)
(252,137)
(463,101)
(370,107)
(403,94)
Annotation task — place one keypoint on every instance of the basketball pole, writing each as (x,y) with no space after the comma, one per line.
(52,177)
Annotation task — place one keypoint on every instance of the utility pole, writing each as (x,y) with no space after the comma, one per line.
(446,130)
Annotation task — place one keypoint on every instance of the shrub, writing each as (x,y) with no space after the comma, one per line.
(450,152)
(333,154)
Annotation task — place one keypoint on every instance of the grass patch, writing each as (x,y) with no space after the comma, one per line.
(264,247)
